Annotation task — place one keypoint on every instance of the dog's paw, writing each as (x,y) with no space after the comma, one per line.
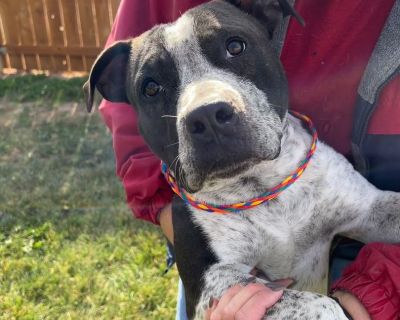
(302,305)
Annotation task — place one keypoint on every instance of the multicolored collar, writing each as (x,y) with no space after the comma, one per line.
(263,198)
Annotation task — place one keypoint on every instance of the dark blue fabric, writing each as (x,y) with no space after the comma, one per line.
(383,155)
(170,257)
(344,253)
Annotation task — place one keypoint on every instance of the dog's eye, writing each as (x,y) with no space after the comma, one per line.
(235,47)
(151,88)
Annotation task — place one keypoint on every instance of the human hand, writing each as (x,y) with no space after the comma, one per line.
(248,302)
(165,219)
(352,305)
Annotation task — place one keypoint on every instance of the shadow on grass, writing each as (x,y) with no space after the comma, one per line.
(56,162)
(57,166)
(69,247)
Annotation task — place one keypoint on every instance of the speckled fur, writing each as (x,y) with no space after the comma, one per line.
(291,236)
(294,305)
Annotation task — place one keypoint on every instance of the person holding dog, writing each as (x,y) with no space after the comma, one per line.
(343,78)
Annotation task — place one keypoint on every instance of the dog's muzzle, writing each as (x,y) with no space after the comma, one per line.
(216,136)
(212,126)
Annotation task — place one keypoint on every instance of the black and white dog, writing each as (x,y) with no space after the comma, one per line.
(212,100)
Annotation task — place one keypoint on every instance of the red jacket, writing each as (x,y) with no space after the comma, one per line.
(374,278)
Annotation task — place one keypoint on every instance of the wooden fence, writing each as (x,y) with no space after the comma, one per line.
(54,35)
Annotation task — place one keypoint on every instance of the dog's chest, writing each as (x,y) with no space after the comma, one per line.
(270,241)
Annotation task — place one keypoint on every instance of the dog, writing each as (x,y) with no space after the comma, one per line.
(212,102)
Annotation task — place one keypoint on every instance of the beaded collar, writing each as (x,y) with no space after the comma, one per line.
(251,203)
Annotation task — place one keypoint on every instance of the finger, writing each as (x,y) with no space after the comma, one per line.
(212,305)
(207,315)
(256,307)
(237,301)
(217,314)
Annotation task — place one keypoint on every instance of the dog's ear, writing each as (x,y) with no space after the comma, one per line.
(108,74)
(269,12)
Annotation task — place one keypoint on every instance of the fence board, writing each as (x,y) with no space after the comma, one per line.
(55,35)
(114,7)
(39,15)
(6,60)
(11,34)
(3,60)
(72,32)
(26,32)
(103,19)
(34,32)
(88,28)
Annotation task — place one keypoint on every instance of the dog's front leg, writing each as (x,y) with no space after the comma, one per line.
(294,305)
(381,223)
(220,277)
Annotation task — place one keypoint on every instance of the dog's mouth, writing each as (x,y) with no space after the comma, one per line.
(218,171)
(231,170)
(195,182)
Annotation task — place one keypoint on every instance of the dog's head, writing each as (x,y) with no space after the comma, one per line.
(209,89)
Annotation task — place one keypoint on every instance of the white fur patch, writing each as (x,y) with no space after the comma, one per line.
(179,32)
(206,92)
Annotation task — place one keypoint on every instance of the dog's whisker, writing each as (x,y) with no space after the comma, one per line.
(276,106)
(172,144)
(181,181)
(168,116)
(178,170)
(174,161)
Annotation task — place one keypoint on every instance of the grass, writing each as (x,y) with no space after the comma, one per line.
(69,247)
(39,87)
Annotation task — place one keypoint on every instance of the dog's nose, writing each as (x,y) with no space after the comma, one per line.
(207,122)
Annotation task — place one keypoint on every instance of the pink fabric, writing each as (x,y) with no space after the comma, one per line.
(325,60)
(374,278)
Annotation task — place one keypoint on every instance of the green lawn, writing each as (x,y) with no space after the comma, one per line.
(69,247)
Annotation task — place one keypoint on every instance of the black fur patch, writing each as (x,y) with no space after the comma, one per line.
(193,255)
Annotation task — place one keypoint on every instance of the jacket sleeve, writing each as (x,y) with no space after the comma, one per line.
(374,278)
(139,170)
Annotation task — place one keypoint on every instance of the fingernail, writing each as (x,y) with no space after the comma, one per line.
(211,302)
(214,305)
(287,282)
(275,286)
